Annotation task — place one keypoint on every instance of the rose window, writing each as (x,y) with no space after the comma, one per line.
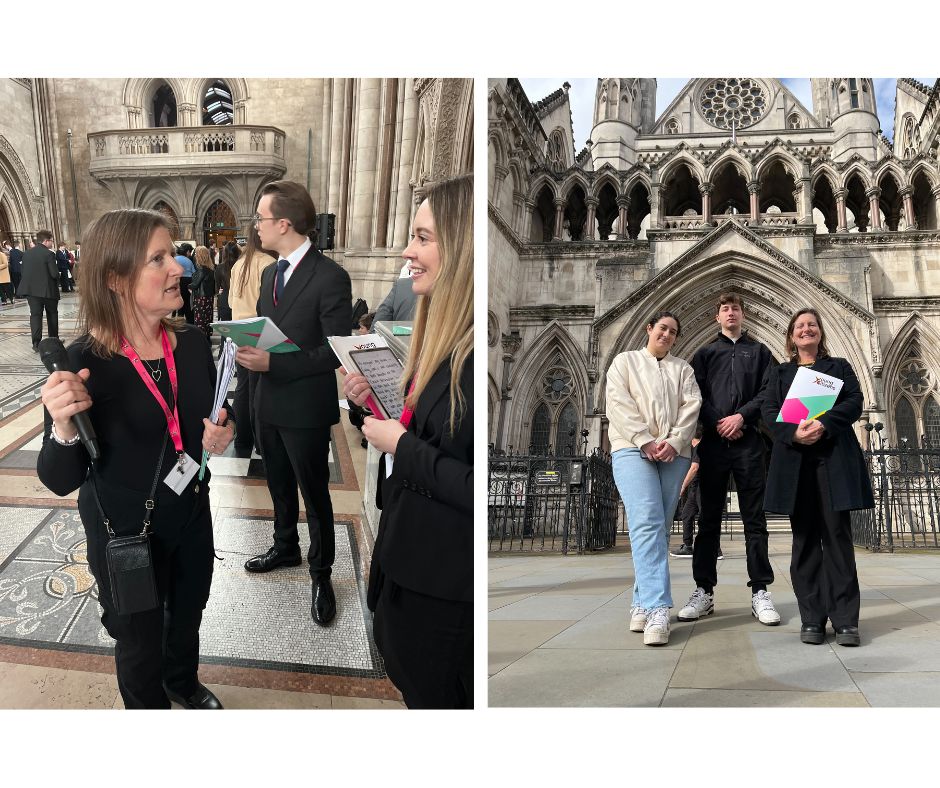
(733,101)
(557,384)
(915,378)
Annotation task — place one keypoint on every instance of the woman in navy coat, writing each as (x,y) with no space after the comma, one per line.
(817,476)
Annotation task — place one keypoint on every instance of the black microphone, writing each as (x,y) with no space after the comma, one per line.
(53,356)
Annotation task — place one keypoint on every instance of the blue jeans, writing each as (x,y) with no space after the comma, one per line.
(650,492)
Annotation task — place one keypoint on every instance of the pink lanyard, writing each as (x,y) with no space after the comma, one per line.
(172,419)
(407,412)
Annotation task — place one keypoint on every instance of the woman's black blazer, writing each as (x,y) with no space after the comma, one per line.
(849,482)
(425,539)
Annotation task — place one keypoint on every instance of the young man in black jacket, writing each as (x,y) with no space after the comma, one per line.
(730,372)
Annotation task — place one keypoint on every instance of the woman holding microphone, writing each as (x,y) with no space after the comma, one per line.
(421,580)
(817,475)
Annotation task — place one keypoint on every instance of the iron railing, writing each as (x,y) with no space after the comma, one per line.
(906,484)
(542,502)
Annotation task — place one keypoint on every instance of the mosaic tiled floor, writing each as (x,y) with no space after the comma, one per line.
(48,598)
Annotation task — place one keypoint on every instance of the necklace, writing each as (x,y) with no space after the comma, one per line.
(157,373)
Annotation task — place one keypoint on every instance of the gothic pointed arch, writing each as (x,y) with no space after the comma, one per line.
(911,382)
(890,201)
(890,166)
(856,169)
(673,162)
(138,98)
(606,176)
(541,180)
(552,373)
(680,190)
(492,395)
(825,172)
(733,156)
(17,190)
(197,90)
(573,179)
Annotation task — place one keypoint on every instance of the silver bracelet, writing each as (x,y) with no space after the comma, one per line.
(60,441)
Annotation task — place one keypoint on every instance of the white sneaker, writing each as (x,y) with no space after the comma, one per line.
(656,632)
(700,604)
(762,608)
(638,616)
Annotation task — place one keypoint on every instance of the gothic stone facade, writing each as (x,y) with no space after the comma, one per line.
(734,186)
(366,149)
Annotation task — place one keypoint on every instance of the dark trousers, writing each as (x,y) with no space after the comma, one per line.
(689,511)
(822,565)
(159,646)
(300,457)
(36,307)
(15,277)
(427,645)
(243,404)
(64,282)
(187,309)
(718,461)
(6,292)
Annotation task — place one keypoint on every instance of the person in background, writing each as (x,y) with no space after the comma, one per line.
(818,475)
(689,503)
(136,366)
(245,287)
(6,290)
(399,304)
(365,323)
(185,258)
(223,277)
(65,269)
(421,578)
(203,289)
(653,403)
(40,285)
(16,267)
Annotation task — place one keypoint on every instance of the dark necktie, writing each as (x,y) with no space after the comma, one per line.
(282,266)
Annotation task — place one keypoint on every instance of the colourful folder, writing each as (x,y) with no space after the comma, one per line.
(811,394)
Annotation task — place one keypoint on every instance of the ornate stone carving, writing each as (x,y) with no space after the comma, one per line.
(492,329)
(733,101)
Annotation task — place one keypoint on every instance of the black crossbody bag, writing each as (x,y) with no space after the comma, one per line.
(130,564)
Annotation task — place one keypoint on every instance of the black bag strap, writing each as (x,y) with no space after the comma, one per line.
(148,504)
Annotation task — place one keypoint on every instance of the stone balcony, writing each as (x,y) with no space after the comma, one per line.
(187,150)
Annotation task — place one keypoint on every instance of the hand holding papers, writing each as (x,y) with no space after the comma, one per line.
(259,332)
(811,394)
(382,370)
(223,378)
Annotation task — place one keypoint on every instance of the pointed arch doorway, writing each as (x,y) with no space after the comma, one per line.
(219,225)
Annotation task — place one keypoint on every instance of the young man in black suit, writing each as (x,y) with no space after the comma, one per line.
(39,283)
(309,297)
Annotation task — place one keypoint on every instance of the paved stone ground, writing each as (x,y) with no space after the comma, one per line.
(558,636)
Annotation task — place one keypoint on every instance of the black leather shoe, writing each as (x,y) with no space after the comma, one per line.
(272,560)
(35,348)
(814,634)
(202,698)
(847,636)
(323,608)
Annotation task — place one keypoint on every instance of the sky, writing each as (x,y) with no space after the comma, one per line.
(582,92)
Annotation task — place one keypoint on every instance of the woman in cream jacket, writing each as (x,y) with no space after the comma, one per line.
(652,404)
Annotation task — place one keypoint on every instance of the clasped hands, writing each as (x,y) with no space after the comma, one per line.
(658,452)
(384,434)
(731,427)
(808,432)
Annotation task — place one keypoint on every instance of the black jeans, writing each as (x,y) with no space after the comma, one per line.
(15,277)
(36,308)
(300,457)
(689,511)
(243,405)
(6,292)
(822,565)
(718,461)
(161,646)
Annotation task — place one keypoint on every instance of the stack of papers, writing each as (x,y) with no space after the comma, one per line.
(225,370)
(259,332)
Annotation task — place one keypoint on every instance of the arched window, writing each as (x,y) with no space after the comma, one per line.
(217,108)
(556,150)
(932,422)
(170,214)
(794,121)
(905,424)
(672,126)
(163,107)
(910,137)
(541,424)
(566,433)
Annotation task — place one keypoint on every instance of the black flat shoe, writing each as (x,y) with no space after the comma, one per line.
(323,609)
(814,634)
(272,560)
(847,636)
(202,698)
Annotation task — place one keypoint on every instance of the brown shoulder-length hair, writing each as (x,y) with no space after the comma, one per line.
(792,352)
(115,251)
(443,325)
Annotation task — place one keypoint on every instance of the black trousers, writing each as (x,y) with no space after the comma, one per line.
(64,282)
(6,292)
(159,646)
(689,511)
(822,565)
(243,406)
(36,308)
(427,645)
(187,309)
(718,461)
(300,457)
(15,277)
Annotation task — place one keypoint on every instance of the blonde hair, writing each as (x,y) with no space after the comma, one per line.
(443,325)
(203,258)
(115,251)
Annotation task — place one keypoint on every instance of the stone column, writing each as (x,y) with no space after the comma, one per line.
(753,189)
(623,203)
(499,175)
(657,195)
(874,209)
(559,218)
(591,218)
(909,219)
(511,343)
(843,222)
(409,140)
(936,196)
(527,219)
(518,212)
(366,162)
(805,200)
(705,189)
